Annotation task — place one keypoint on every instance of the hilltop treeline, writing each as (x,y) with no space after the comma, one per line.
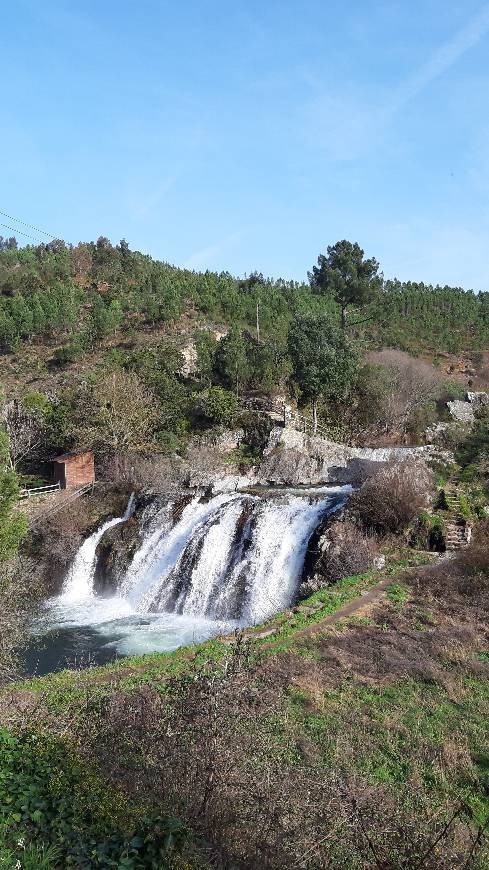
(95,289)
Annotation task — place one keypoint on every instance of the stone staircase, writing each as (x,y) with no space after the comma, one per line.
(457,532)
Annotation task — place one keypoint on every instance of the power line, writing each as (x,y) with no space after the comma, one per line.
(24,224)
(19,232)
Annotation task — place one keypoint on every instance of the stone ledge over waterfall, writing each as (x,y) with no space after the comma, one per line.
(293,458)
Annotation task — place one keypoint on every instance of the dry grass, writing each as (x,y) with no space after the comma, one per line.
(358,747)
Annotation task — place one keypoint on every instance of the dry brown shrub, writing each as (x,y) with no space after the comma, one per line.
(389,500)
(208,749)
(475,558)
(140,473)
(203,464)
(351,551)
(462,581)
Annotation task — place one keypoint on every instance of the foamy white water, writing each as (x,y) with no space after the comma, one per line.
(79,582)
(163,548)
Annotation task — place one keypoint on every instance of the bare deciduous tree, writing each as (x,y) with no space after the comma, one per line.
(21,590)
(117,415)
(412,383)
(26,428)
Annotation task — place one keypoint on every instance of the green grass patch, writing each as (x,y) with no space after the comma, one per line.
(68,689)
(401,733)
(398,594)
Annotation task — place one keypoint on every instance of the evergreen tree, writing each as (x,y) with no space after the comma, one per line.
(231,363)
(347,276)
(324,365)
(13,525)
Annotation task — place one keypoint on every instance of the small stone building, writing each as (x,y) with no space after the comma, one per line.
(73,470)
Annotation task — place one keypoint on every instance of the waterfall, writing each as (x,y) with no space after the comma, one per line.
(233,557)
(163,548)
(78,584)
(205,564)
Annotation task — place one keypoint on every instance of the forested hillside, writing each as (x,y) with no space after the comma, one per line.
(92,289)
(299,742)
(94,325)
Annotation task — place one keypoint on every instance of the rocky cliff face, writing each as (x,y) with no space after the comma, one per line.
(119,544)
(337,549)
(293,458)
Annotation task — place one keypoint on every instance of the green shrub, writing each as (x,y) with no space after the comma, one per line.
(64,356)
(27,856)
(31,481)
(464,506)
(429,532)
(220,406)
(50,796)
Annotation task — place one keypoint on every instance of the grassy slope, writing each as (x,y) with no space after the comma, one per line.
(31,368)
(401,694)
(61,690)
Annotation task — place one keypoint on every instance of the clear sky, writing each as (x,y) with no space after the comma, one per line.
(243,135)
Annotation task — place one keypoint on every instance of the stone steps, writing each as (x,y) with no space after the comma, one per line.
(455,528)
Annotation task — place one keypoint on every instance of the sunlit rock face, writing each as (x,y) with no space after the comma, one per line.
(293,458)
(464,412)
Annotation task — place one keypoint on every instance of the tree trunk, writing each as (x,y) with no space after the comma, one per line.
(314,416)
(258,322)
(343,317)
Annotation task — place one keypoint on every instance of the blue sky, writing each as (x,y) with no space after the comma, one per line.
(243,135)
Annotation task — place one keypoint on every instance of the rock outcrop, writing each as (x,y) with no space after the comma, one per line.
(293,458)
(337,549)
(464,412)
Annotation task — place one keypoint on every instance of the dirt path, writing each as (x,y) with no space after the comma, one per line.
(357,607)
(360,606)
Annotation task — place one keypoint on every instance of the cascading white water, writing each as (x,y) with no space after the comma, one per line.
(79,581)
(163,548)
(280,544)
(202,568)
(234,557)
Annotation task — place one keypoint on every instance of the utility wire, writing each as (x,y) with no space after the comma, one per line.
(24,224)
(19,232)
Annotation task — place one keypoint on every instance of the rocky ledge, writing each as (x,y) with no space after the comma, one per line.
(293,458)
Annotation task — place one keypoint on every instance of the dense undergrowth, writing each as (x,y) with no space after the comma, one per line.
(49,795)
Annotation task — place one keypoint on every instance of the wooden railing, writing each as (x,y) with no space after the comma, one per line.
(306,425)
(39,490)
(293,419)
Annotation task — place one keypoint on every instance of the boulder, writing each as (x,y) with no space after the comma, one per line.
(189,353)
(230,483)
(478,399)
(463,412)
